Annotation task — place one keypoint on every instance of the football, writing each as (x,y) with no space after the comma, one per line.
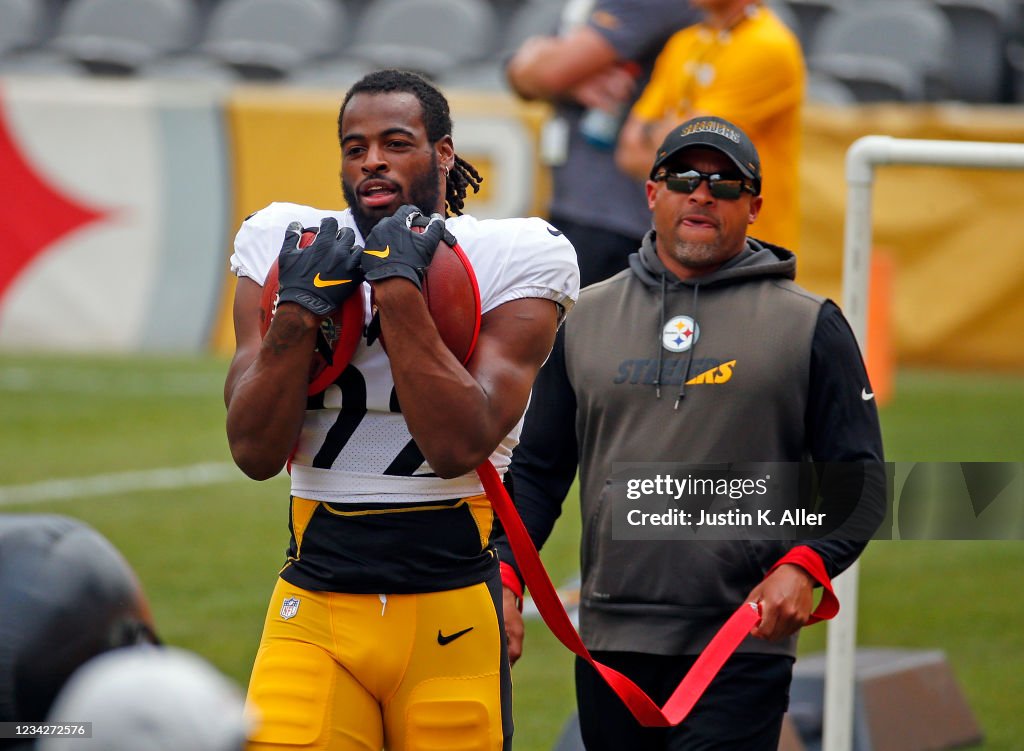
(450,291)
(341,330)
(453,299)
(452,295)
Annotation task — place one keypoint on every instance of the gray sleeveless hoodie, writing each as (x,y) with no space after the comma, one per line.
(737,394)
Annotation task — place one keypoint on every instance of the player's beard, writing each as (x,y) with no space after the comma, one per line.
(423,193)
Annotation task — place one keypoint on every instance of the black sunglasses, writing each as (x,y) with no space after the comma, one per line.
(721,187)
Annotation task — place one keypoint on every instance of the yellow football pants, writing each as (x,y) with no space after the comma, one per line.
(354,672)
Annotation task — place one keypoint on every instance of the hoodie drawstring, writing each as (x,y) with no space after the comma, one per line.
(661,347)
(693,344)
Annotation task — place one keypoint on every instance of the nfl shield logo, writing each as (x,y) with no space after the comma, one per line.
(289,607)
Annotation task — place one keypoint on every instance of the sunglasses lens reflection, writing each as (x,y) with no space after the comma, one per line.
(687,182)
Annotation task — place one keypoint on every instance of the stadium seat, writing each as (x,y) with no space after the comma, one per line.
(119,36)
(1015,53)
(269,39)
(488,75)
(25,26)
(21,25)
(1017,19)
(429,36)
(981,31)
(532,18)
(809,14)
(825,89)
(900,50)
(872,79)
(192,66)
(330,74)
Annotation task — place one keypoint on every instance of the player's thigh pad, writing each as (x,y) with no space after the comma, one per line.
(456,695)
(450,714)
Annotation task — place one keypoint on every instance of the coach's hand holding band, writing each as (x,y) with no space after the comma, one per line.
(321,277)
(393,248)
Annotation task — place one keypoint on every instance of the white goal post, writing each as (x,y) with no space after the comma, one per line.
(863,156)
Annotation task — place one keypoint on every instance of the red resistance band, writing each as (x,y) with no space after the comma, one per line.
(707,664)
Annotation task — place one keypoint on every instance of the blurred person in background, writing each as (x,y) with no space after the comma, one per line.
(592,72)
(149,699)
(78,645)
(66,595)
(745,65)
(705,352)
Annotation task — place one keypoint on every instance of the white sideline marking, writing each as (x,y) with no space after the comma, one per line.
(166,478)
(568,593)
(71,380)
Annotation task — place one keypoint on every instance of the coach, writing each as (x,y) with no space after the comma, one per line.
(704,351)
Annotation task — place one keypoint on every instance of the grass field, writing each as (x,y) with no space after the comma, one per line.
(207,552)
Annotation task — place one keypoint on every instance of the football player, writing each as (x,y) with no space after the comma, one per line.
(385,627)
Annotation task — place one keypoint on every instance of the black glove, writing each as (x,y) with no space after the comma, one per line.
(393,249)
(424,222)
(325,274)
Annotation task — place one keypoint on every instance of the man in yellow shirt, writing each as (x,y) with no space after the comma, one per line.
(743,64)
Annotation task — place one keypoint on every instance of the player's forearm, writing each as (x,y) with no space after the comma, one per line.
(445,408)
(267,402)
(544,464)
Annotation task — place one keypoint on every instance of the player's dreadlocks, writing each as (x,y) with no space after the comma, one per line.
(436,117)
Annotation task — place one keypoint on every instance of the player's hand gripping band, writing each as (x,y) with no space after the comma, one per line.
(321,277)
(394,249)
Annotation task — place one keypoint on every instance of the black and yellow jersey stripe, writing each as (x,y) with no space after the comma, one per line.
(402,548)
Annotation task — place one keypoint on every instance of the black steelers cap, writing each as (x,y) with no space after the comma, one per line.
(713,133)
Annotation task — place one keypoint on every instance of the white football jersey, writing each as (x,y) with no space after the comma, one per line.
(354,446)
